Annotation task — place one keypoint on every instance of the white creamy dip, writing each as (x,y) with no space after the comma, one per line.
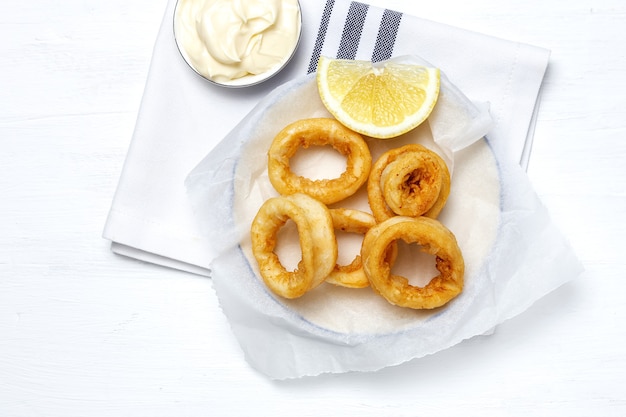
(227,40)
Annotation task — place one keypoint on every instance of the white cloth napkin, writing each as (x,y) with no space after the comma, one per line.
(182,117)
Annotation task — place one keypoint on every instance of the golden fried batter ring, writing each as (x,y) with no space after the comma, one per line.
(408,181)
(433,238)
(321,131)
(352,221)
(317,243)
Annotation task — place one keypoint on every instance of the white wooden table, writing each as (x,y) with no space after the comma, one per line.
(83,332)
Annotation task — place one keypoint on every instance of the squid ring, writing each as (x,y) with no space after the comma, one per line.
(433,238)
(319,131)
(352,221)
(408,181)
(317,243)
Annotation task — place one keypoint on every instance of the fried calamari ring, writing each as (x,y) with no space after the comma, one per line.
(320,132)
(433,238)
(408,181)
(351,221)
(317,243)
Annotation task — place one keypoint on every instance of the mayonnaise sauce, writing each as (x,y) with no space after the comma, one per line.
(225,40)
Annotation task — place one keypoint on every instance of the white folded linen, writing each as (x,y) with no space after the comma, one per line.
(182,117)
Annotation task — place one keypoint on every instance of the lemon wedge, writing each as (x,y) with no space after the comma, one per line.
(381,100)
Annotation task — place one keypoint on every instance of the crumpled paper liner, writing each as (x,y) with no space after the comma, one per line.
(514,255)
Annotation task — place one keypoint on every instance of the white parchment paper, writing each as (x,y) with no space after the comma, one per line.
(514,255)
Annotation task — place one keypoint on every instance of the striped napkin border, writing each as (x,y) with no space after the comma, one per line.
(352,31)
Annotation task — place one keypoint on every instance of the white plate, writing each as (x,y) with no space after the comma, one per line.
(513,253)
(472,213)
(334,329)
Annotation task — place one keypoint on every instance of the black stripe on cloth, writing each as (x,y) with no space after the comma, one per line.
(321,35)
(387,32)
(352,29)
